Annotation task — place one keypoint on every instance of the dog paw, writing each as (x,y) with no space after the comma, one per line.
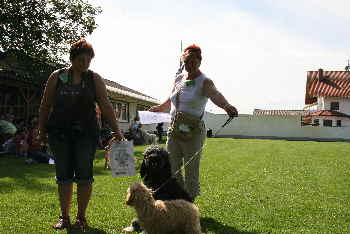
(128,229)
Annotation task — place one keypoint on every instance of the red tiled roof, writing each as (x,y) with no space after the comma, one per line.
(280,112)
(329,84)
(328,113)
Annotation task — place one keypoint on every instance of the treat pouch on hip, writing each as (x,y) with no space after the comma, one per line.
(185,126)
(122,158)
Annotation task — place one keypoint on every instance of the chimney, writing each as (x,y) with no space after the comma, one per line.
(320,74)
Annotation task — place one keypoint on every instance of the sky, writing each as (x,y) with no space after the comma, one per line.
(257,52)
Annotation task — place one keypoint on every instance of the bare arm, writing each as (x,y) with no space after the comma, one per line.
(217,98)
(47,103)
(165,106)
(106,107)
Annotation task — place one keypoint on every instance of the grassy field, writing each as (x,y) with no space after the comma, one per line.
(248,186)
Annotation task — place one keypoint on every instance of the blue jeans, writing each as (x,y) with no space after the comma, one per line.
(74,155)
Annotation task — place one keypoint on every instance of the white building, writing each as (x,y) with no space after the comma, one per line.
(127,102)
(329,92)
(325,117)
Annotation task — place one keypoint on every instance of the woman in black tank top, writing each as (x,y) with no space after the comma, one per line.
(67,116)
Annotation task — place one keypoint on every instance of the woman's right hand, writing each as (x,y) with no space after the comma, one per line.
(156,108)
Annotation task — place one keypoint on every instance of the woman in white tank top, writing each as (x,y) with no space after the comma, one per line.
(190,95)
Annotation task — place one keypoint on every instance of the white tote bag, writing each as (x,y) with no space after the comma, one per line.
(122,159)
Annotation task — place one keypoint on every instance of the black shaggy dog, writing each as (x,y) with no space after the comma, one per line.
(156,174)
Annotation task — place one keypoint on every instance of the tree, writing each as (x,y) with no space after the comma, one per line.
(44,29)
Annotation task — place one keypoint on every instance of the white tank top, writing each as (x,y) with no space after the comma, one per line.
(191,97)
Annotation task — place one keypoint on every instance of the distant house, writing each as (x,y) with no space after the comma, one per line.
(326,115)
(127,102)
(327,98)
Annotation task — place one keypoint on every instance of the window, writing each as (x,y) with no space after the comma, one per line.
(316,122)
(338,123)
(140,107)
(122,111)
(334,105)
(327,123)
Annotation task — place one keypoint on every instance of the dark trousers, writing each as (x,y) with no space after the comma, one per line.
(74,155)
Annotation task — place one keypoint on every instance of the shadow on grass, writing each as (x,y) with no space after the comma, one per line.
(87,230)
(18,174)
(24,175)
(210,224)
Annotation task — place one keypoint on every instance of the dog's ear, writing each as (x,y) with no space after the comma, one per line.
(143,169)
(129,198)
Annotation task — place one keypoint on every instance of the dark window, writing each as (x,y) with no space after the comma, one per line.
(338,123)
(334,105)
(122,111)
(327,123)
(140,107)
(316,121)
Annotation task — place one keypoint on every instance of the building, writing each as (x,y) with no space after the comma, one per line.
(327,98)
(127,102)
(21,90)
(22,79)
(326,115)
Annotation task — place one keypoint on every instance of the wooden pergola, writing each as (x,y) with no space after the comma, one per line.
(18,97)
(21,84)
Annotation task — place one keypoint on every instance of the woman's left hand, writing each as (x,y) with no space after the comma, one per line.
(155,108)
(117,136)
(231,110)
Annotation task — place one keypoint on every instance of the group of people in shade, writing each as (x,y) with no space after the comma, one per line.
(20,138)
(67,121)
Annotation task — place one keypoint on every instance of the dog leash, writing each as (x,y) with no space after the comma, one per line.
(183,167)
(227,122)
(191,159)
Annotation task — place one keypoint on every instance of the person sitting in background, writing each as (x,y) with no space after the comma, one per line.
(159,129)
(21,142)
(7,131)
(135,124)
(8,147)
(36,152)
(136,132)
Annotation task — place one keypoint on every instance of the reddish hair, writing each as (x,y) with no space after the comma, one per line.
(194,49)
(81,47)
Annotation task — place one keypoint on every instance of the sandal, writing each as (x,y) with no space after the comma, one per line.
(80,223)
(63,222)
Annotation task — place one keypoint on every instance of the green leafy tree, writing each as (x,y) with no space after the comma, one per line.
(44,29)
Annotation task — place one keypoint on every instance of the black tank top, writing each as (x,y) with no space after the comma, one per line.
(74,106)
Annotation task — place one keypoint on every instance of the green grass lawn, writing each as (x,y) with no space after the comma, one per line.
(248,186)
